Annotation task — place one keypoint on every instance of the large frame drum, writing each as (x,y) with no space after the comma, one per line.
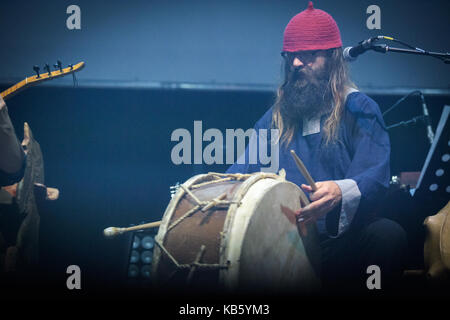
(229,231)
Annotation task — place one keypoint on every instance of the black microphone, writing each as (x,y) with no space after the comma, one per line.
(430,133)
(350,53)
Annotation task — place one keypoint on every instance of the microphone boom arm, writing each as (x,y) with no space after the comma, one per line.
(384,48)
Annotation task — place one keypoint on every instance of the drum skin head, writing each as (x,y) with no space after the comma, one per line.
(265,250)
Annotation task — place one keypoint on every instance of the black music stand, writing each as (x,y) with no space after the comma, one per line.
(433,187)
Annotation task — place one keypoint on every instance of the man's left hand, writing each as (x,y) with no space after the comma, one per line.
(327,196)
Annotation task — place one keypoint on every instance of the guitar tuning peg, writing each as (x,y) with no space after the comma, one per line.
(36,69)
(47,68)
(71,66)
(58,65)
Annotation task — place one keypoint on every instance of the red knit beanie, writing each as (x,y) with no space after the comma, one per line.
(311,29)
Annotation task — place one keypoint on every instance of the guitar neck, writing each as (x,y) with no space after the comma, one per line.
(11,91)
(27,82)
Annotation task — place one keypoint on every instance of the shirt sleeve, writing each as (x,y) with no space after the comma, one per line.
(367,178)
(12,160)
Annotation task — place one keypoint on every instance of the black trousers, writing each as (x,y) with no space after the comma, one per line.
(380,242)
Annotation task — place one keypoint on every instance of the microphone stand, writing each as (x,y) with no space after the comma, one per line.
(425,117)
(383,48)
(445,57)
(406,123)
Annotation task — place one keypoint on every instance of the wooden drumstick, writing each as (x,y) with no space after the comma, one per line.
(114,231)
(303,170)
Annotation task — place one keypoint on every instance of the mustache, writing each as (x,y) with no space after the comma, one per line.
(299,73)
(302,78)
(302,75)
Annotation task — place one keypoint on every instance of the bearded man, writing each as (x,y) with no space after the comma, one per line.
(341,137)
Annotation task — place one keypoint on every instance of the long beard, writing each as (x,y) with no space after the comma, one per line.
(307,94)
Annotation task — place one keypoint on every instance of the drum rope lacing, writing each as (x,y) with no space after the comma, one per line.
(193,267)
(202,206)
(206,205)
(229,177)
(192,264)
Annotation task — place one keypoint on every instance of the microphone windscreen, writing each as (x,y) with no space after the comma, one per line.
(347,56)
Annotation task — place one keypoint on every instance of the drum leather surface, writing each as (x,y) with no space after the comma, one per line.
(273,254)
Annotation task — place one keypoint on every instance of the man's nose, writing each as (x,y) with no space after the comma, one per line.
(297,62)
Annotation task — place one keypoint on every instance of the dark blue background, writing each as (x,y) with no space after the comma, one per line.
(210,41)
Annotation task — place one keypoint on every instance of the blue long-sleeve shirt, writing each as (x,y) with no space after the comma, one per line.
(358,162)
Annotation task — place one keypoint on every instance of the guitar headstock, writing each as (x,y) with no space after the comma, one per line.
(44,76)
(59,72)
